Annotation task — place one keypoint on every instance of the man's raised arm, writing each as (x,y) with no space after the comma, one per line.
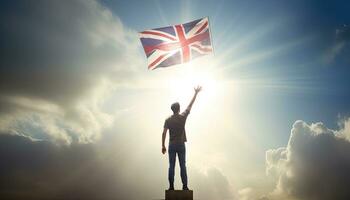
(196,90)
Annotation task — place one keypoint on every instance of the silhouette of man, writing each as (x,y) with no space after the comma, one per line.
(177,138)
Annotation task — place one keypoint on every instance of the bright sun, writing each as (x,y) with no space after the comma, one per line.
(182,85)
(178,82)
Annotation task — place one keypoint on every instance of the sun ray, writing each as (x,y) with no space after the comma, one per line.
(237,43)
(265,54)
(161,13)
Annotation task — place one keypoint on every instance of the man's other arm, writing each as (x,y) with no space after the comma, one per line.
(163,140)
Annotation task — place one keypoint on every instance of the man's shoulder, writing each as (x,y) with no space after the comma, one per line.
(167,121)
(185,112)
(169,117)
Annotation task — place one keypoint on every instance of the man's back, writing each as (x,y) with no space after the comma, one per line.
(176,125)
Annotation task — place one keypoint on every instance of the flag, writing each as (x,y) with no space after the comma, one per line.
(176,44)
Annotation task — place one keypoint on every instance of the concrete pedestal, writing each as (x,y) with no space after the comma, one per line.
(178,195)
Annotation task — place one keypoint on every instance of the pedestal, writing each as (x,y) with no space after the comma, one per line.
(178,195)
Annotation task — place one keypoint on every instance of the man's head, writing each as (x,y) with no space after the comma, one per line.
(175,107)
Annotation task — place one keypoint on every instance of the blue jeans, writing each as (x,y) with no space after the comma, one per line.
(180,149)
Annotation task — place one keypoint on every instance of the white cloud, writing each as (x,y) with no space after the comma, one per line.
(211,184)
(314,165)
(73,55)
(345,131)
(250,194)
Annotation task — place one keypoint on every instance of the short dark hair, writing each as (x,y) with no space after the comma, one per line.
(175,107)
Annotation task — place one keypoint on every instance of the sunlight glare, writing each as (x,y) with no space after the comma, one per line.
(182,86)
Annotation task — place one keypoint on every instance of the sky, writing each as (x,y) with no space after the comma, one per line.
(81,116)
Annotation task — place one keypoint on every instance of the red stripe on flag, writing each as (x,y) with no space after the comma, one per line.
(184,43)
(164,47)
(157,60)
(205,25)
(199,37)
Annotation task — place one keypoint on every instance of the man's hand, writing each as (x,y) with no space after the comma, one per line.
(163,149)
(197,89)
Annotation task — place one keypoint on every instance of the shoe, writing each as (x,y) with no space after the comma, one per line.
(185,187)
(171,188)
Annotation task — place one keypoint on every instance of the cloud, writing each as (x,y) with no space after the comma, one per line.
(44,170)
(211,184)
(249,194)
(345,131)
(58,63)
(314,165)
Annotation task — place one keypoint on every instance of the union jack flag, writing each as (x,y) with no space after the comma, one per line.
(176,44)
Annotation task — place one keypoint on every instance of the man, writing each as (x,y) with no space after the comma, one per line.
(177,138)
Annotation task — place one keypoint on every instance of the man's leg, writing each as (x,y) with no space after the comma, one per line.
(171,172)
(182,161)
